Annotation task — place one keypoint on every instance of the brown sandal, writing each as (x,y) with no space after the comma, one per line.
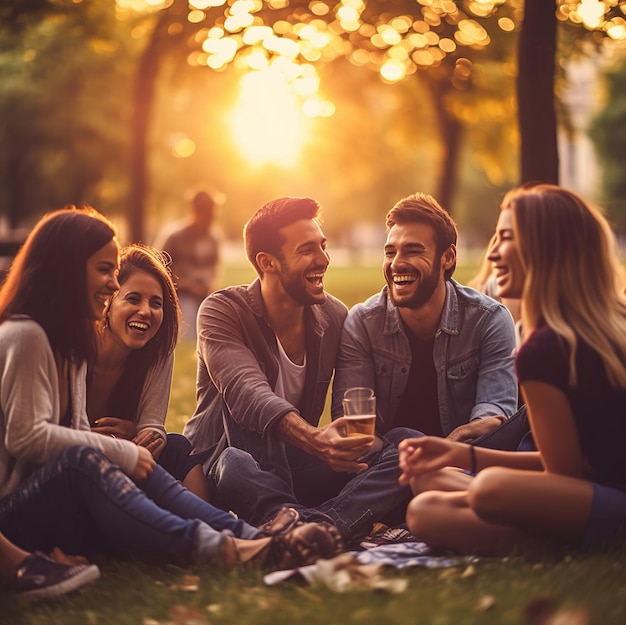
(285,520)
(302,545)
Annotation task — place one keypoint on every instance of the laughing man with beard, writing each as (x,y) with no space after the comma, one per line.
(267,353)
(438,355)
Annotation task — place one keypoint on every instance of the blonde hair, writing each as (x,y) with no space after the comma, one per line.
(574,278)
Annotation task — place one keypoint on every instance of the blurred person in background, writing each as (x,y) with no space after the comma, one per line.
(194,249)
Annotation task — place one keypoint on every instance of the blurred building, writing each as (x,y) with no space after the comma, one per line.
(579,169)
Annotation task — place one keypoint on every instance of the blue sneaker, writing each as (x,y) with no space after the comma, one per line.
(39,577)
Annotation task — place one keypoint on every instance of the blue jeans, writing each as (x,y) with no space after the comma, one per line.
(84,504)
(176,457)
(352,502)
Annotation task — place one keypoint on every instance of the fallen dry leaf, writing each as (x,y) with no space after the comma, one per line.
(539,610)
(190,583)
(186,615)
(574,616)
(544,611)
(486,602)
(448,573)
(344,573)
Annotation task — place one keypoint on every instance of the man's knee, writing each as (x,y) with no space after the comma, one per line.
(396,435)
(231,465)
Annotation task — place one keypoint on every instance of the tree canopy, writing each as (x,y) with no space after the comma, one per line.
(459,54)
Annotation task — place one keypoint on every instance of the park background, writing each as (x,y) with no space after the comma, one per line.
(129,104)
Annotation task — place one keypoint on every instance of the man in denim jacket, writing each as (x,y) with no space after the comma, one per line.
(439,356)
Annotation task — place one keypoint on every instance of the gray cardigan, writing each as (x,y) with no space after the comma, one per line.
(30,430)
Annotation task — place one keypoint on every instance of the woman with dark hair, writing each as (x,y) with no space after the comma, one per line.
(82,497)
(128,388)
(558,255)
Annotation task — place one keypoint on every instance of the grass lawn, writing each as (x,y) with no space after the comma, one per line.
(574,590)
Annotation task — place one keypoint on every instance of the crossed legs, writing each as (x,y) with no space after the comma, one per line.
(498,510)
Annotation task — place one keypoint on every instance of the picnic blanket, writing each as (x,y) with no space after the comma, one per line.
(362,570)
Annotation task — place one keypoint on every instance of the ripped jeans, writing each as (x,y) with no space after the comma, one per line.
(84,504)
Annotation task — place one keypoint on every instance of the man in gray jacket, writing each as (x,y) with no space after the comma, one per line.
(266,356)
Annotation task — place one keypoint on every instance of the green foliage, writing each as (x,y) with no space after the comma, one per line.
(63,116)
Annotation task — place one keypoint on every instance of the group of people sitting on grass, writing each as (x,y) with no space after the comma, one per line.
(87,336)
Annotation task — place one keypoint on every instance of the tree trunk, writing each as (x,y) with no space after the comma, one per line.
(15,189)
(451,131)
(145,84)
(535,93)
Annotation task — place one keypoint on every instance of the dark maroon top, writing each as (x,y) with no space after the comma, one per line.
(599,410)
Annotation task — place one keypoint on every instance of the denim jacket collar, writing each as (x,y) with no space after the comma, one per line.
(450,316)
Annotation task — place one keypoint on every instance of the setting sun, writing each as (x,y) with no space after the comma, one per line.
(267,122)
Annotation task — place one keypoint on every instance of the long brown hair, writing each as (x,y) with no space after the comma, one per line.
(48,279)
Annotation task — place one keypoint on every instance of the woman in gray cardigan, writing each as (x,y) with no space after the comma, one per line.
(128,387)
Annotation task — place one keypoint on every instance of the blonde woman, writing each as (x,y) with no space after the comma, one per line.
(559,256)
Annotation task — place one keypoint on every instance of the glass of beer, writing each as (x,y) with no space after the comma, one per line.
(359,411)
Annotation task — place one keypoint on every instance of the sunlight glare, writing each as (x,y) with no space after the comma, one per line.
(591,12)
(267,122)
(205,4)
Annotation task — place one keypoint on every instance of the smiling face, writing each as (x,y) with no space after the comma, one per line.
(102,268)
(136,312)
(505,259)
(303,262)
(412,265)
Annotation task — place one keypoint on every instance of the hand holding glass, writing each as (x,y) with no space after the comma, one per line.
(359,411)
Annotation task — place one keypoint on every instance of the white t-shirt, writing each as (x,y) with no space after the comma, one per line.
(290,383)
